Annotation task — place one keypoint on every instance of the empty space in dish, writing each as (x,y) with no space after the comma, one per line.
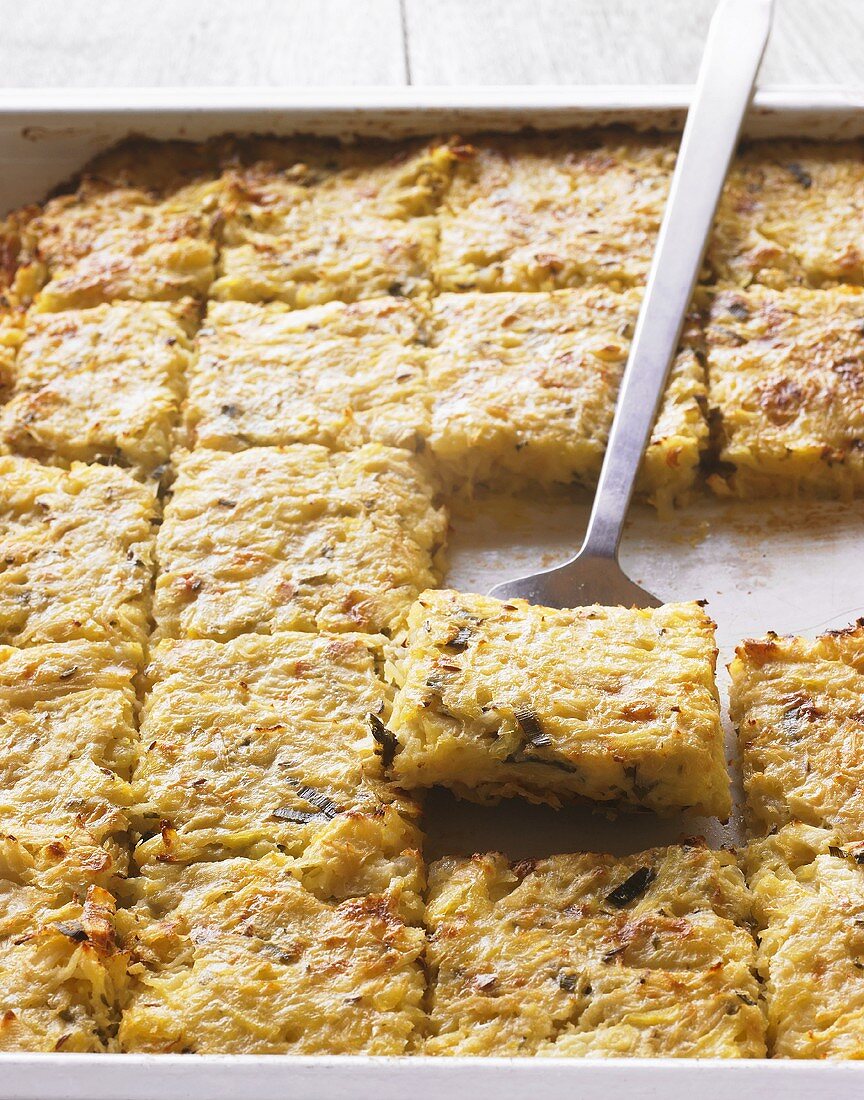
(790,567)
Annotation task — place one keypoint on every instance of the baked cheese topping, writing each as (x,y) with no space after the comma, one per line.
(790,214)
(107,242)
(262,744)
(100,384)
(592,955)
(76,548)
(237,957)
(311,223)
(785,374)
(496,699)
(295,538)
(338,375)
(808,905)
(62,975)
(541,212)
(524,389)
(799,709)
(67,742)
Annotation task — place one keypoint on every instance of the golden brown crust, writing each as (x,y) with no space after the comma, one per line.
(799,706)
(338,375)
(62,975)
(77,553)
(67,743)
(496,699)
(785,380)
(238,958)
(592,955)
(320,222)
(541,212)
(808,906)
(294,771)
(791,214)
(101,384)
(524,386)
(295,538)
(104,243)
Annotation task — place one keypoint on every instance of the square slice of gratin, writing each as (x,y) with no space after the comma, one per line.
(542,212)
(62,972)
(524,388)
(496,699)
(68,744)
(808,907)
(308,223)
(101,384)
(262,744)
(110,241)
(295,538)
(588,955)
(799,708)
(791,213)
(238,957)
(785,373)
(76,553)
(338,375)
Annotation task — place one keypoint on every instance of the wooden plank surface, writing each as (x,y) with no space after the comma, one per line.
(618,41)
(328,42)
(148,43)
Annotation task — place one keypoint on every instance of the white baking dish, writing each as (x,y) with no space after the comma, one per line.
(763,567)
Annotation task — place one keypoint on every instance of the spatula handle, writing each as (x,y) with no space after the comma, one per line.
(733,50)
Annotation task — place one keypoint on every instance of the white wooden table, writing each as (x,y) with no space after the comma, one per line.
(105,43)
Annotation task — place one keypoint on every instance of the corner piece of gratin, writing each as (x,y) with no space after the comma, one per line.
(808,907)
(63,970)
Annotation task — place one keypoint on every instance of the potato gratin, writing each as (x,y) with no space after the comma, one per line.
(239,383)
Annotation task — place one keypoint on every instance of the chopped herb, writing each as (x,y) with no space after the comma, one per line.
(803,177)
(747,1000)
(739,311)
(298,817)
(318,799)
(229,410)
(838,853)
(632,887)
(385,740)
(223,502)
(69,672)
(460,640)
(567,980)
(529,723)
(73,930)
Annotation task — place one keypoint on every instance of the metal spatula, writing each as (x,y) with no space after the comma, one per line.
(736,42)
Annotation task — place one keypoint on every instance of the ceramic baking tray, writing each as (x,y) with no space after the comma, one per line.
(773,566)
